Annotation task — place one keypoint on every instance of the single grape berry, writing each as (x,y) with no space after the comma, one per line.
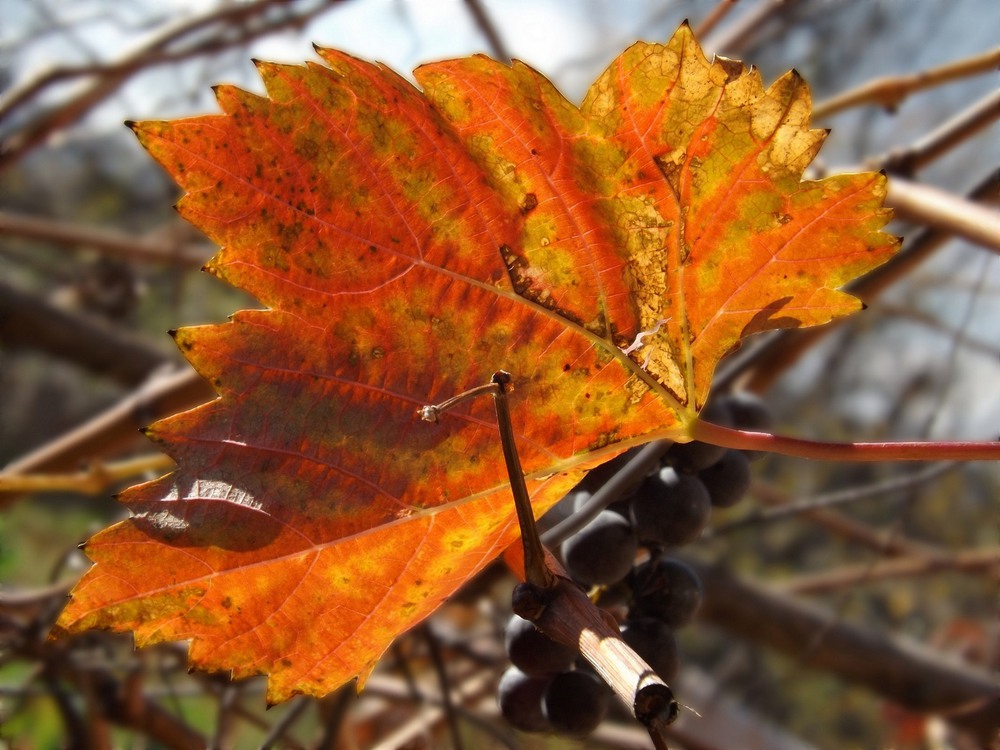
(670,509)
(749,412)
(665,589)
(520,699)
(654,641)
(690,458)
(533,652)
(602,552)
(728,479)
(575,703)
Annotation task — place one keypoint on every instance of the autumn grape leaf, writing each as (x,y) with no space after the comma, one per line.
(406,244)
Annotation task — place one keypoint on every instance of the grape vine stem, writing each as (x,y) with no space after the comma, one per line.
(862,452)
(536,571)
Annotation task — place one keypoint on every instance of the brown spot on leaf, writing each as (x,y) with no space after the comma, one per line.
(671,172)
(529,203)
(733,68)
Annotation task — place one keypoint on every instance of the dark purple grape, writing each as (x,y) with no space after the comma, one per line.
(690,458)
(533,652)
(575,703)
(602,552)
(520,699)
(666,589)
(728,479)
(749,412)
(654,641)
(670,508)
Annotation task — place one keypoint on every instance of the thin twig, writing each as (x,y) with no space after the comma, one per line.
(843,526)
(709,22)
(117,426)
(489,30)
(333,710)
(280,729)
(434,649)
(942,139)
(928,320)
(92,481)
(890,91)
(736,35)
(835,499)
(108,241)
(967,561)
(611,492)
(108,78)
(468,686)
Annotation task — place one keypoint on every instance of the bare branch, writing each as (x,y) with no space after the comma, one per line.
(26,320)
(942,139)
(120,701)
(972,344)
(843,526)
(934,207)
(967,561)
(835,499)
(709,22)
(890,91)
(485,25)
(236,20)
(97,479)
(151,249)
(116,427)
(737,34)
(906,673)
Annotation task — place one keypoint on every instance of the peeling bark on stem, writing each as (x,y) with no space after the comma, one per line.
(566,614)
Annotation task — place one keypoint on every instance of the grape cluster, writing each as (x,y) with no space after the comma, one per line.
(547,689)
(542,691)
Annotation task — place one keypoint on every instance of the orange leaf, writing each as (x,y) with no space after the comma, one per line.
(408,244)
